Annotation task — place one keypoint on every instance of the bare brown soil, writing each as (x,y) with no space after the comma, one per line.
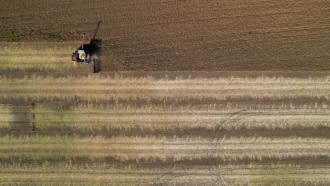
(182,35)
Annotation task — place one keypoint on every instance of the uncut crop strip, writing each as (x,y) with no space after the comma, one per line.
(36,56)
(107,88)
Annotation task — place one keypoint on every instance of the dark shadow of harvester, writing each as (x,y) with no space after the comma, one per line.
(89,53)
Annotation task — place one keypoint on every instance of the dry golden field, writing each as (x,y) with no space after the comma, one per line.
(62,125)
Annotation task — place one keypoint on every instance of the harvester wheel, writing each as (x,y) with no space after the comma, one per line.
(95,64)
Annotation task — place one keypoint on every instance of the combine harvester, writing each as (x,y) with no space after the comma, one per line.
(89,53)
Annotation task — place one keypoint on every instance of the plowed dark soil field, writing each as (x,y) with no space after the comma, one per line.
(182,34)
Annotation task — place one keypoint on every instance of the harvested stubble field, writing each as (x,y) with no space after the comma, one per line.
(62,125)
(131,128)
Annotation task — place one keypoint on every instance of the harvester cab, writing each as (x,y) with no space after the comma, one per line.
(80,55)
(88,53)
